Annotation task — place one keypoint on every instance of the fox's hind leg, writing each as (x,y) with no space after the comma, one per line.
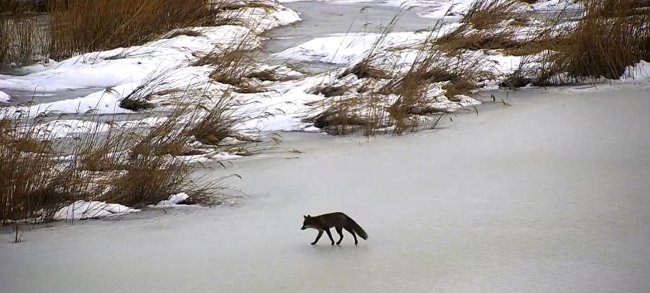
(340,231)
(330,235)
(320,233)
(353,235)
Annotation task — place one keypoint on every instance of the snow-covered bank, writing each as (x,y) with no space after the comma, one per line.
(167,63)
(446,8)
(167,66)
(395,78)
(549,195)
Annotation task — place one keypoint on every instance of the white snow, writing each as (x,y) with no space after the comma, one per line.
(350,48)
(640,71)
(557,5)
(69,127)
(208,157)
(286,104)
(173,200)
(260,19)
(346,48)
(81,210)
(4,97)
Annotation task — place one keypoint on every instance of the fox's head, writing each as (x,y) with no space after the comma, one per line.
(308,222)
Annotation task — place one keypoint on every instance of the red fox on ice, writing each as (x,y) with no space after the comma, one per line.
(337,220)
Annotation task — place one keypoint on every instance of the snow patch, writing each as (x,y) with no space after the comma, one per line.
(347,48)
(4,97)
(81,210)
(260,19)
(173,200)
(556,5)
(640,70)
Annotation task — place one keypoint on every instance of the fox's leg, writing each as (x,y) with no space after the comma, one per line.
(353,235)
(340,231)
(320,233)
(330,235)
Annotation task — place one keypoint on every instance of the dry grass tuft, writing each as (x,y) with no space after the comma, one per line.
(487,14)
(487,25)
(27,188)
(217,123)
(147,176)
(23,40)
(133,166)
(614,34)
(477,40)
(330,90)
(80,26)
(365,70)
(456,72)
(397,99)
(237,65)
(351,114)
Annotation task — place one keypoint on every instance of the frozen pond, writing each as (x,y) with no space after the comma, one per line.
(549,195)
(36,96)
(320,19)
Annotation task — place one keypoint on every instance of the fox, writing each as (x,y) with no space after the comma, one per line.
(337,220)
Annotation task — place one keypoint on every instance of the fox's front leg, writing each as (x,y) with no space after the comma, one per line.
(330,235)
(320,233)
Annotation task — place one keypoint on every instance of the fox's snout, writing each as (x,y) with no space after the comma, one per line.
(303,228)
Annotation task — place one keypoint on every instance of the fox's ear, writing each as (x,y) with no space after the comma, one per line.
(305,216)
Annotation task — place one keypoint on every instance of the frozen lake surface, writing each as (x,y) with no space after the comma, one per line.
(321,19)
(549,195)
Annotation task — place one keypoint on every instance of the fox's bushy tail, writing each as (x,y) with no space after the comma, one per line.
(357,229)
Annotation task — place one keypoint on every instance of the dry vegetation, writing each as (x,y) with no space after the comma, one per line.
(80,26)
(614,34)
(23,40)
(22,35)
(28,179)
(483,27)
(235,66)
(133,166)
(397,99)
